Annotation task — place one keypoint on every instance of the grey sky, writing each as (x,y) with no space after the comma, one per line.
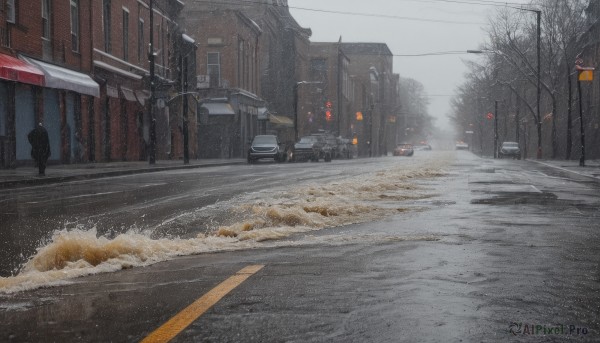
(439,74)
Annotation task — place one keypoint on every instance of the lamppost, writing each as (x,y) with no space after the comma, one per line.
(296,86)
(184,65)
(495,128)
(151,56)
(585,74)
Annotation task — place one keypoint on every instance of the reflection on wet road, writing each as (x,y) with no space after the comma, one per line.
(445,247)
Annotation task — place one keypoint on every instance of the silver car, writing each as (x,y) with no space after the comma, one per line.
(265,146)
(509,149)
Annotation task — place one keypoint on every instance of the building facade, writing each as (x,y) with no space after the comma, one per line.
(228,80)
(121,125)
(44,38)
(325,98)
(81,67)
(282,57)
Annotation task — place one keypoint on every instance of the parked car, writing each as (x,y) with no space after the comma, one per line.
(313,147)
(462,146)
(331,148)
(422,146)
(344,148)
(266,146)
(404,149)
(509,149)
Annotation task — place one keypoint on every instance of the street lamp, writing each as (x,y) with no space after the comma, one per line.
(296,86)
(151,58)
(495,128)
(184,89)
(585,74)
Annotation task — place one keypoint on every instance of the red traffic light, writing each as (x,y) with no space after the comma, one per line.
(490,116)
(328,115)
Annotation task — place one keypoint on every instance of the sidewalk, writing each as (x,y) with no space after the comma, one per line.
(591,169)
(27,176)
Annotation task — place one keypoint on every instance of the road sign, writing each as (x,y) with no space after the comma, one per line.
(586,75)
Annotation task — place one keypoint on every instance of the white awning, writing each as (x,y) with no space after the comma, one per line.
(114,69)
(218,108)
(142,96)
(263,113)
(128,94)
(112,92)
(281,120)
(63,78)
(188,39)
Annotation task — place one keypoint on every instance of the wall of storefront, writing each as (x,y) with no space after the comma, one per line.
(24,120)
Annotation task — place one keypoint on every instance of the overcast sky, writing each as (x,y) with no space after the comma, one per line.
(460,28)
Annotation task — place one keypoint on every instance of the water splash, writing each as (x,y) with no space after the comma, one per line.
(261,219)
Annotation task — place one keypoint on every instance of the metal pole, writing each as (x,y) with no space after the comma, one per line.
(296,111)
(582,158)
(186,144)
(496,129)
(152,155)
(539,81)
(338,112)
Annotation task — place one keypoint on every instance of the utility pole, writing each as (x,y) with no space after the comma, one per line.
(582,158)
(496,129)
(585,74)
(539,80)
(152,155)
(186,145)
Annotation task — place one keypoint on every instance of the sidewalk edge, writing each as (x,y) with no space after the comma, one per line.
(89,176)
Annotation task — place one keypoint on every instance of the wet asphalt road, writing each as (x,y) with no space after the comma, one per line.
(515,243)
(153,201)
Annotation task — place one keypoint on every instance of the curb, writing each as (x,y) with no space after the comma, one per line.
(565,170)
(122,172)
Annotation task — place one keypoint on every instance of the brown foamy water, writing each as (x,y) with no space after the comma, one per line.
(259,220)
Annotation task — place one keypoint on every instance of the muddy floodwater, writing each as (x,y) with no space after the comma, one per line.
(265,218)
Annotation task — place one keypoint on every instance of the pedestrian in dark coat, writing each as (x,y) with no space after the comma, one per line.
(40,147)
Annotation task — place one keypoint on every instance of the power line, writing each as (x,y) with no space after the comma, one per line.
(473,2)
(373,15)
(389,16)
(440,53)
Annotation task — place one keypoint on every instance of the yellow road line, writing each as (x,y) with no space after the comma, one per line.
(183,319)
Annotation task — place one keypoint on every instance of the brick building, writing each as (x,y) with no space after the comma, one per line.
(81,67)
(120,126)
(229,80)
(44,38)
(325,100)
(283,49)
(371,68)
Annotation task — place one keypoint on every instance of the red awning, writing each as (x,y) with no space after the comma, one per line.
(16,70)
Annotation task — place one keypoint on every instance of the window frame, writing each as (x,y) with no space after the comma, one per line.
(106,24)
(11,11)
(46,14)
(125,34)
(218,66)
(75,22)
(141,39)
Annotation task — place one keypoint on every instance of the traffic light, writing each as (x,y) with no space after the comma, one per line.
(328,111)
